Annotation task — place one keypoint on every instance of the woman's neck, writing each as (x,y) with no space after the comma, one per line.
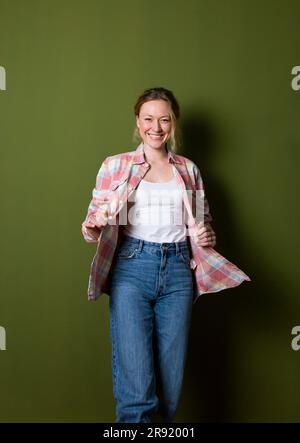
(155,155)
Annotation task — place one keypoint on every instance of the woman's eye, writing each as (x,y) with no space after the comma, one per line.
(164,120)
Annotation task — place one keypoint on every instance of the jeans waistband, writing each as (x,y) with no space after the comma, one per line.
(177,247)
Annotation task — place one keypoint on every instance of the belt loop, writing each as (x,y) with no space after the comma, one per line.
(177,248)
(140,245)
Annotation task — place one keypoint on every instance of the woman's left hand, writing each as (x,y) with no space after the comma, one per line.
(205,235)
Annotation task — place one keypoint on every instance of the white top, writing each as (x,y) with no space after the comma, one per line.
(156,212)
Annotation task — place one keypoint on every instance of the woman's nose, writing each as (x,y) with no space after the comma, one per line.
(156,126)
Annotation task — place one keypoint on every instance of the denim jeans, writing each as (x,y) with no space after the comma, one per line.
(150,304)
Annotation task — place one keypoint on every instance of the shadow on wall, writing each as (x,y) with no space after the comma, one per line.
(211,366)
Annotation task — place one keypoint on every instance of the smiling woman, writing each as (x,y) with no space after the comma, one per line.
(157,111)
(153,272)
(156,127)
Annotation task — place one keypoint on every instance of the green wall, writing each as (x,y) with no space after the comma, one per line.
(73,72)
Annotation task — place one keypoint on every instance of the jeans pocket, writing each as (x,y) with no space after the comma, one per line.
(185,258)
(126,251)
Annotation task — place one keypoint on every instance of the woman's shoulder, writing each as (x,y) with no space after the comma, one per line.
(183,159)
(190,164)
(125,156)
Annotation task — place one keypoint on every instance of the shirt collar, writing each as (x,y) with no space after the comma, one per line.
(139,155)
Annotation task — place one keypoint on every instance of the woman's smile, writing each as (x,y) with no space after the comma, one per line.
(156,137)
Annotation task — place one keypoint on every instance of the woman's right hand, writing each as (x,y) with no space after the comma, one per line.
(93,229)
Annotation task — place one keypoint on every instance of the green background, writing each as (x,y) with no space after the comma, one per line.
(74,70)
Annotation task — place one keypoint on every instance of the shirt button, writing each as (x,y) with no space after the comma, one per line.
(110,217)
(121,201)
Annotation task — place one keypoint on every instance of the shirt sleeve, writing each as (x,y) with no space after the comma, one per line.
(99,201)
(202,206)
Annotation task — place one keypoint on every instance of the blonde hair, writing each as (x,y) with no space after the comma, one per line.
(160,93)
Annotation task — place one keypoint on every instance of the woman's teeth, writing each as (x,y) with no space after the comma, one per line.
(155,136)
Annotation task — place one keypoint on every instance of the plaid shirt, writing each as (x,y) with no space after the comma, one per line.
(118,177)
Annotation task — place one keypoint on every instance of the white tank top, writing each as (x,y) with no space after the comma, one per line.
(156,213)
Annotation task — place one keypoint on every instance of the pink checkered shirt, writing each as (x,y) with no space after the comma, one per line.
(118,177)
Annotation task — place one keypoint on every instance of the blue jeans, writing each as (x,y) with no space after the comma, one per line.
(150,303)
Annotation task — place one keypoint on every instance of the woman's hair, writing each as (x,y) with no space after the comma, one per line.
(160,93)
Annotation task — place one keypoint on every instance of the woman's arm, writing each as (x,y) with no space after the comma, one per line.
(97,212)
(205,215)
(205,235)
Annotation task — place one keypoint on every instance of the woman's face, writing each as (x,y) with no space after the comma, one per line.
(154,123)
